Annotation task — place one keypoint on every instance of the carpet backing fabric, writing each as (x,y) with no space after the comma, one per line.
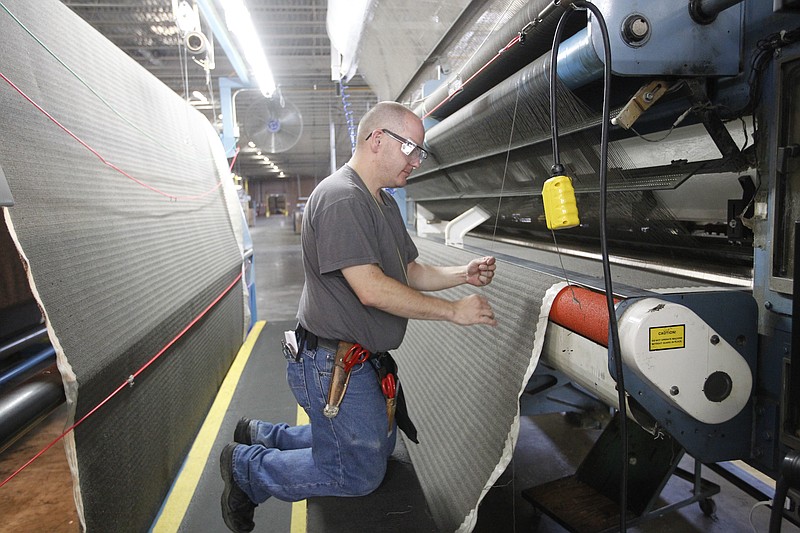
(119,264)
(463,385)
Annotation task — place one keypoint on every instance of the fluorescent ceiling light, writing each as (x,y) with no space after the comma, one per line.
(200,96)
(239,22)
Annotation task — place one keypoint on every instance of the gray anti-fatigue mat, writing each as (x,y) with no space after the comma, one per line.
(118,268)
(463,384)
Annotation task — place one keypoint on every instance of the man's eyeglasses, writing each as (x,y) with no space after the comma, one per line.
(407,146)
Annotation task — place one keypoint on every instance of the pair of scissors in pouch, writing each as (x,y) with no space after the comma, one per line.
(389,388)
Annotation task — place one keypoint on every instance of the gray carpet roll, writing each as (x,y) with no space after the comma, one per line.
(119,267)
(463,385)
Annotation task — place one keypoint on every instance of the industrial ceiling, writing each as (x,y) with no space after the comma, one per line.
(294,37)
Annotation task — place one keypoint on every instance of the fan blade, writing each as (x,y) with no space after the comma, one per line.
(273,127)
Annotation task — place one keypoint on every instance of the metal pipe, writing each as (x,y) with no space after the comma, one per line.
(578,62)
(705,11)
(227,101)
(25,406)
(29,365)
(22,341)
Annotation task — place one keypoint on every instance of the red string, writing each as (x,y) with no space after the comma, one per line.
(511,43)
(130,379)
(233,161)
(100,157)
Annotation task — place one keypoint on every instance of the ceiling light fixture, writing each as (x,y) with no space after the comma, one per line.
(241,24)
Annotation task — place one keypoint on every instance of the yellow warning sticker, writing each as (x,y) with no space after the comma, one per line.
(667,337)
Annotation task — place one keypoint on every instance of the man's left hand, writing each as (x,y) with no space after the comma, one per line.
(481,271)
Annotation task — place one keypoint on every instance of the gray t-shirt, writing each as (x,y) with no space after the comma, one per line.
(343,226)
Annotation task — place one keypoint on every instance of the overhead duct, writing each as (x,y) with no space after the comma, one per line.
(410,44)
(488,72)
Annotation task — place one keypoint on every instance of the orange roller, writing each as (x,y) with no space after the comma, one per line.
(583,311)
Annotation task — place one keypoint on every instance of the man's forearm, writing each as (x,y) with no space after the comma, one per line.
(435,278)
(375,289)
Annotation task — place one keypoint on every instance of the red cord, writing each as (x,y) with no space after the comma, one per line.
(100,157)
(128,381)
(233,161)
(511,43)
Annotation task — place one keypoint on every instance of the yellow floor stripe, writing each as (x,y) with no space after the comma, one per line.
(185,486)
(299,508)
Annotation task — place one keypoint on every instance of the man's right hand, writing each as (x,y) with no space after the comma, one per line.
(474,309)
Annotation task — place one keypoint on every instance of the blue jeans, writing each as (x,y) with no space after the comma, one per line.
(341,456)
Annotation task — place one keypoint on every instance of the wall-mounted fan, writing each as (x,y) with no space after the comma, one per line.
(273,124)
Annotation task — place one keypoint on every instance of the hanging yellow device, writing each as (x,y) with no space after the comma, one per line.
(560,207)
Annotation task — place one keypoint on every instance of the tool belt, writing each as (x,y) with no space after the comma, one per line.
(348,355)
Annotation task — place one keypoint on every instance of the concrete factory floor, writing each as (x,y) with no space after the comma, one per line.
(550,447)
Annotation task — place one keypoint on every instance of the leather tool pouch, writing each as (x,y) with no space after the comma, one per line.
(339,379)
(385,364)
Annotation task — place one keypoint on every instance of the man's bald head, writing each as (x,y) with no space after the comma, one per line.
(388,115)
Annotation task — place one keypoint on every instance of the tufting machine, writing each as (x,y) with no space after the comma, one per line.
(701,156)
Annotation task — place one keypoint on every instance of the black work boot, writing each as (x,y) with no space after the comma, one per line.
(242,432)
(237,509)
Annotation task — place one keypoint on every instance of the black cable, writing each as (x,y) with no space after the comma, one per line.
(764,50)
(612,315)
(604,140)
(789,477)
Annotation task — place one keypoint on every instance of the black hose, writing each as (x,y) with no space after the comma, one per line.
(612,316)
(789,477)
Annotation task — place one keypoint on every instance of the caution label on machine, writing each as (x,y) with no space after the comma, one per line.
(667,337)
